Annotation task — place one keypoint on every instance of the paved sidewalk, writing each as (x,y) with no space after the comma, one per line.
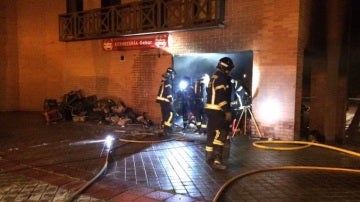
(40,162)
(21,188)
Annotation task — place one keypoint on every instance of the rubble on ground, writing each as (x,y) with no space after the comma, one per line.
(76,107)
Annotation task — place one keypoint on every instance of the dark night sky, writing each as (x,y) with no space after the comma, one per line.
(354,69)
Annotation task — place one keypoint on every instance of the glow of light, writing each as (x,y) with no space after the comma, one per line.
(170,41)
(206,79)
(183,84)
(270,111)
(255,80)
(108,141)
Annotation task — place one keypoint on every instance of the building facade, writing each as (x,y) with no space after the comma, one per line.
(36,65)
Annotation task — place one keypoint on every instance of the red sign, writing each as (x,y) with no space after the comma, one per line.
(136,42)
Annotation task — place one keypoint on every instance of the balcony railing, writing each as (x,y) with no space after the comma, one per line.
(140,18)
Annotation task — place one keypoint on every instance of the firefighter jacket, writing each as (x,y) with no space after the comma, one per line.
(219,92)
(165,91)
(241,99)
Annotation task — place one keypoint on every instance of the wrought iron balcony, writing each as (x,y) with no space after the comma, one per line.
(143,17)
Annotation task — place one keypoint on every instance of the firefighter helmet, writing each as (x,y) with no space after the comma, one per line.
(225,64)
(170,72)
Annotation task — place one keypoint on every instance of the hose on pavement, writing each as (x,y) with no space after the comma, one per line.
(302,145)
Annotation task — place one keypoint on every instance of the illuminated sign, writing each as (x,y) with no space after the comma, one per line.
(136,42)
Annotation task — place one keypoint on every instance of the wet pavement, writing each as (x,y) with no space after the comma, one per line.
(69,161)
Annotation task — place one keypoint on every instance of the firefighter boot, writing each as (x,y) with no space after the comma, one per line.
(166,131)
(226,151)
(218,163)
(209,157)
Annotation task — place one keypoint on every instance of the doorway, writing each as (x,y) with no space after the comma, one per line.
(192,67)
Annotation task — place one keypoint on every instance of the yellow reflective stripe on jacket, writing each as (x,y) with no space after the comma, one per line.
(223,103)
(220,87)
(162,99)
(211,106)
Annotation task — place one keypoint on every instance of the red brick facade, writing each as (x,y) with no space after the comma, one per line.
(35,65)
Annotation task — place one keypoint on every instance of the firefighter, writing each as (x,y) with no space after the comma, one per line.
(165,99)
(240,100)
(186,98)
(218,112)
(200,100)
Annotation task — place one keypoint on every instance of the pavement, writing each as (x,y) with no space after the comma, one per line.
(70,161)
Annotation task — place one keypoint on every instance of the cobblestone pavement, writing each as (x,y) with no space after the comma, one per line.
(52,162)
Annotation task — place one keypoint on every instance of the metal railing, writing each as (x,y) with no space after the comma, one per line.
(150,16)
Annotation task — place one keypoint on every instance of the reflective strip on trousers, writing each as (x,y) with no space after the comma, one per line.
(216,139)
(168,122)
(209,149)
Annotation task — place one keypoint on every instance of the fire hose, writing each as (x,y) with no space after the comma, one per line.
(73,196)
(303,144)
(107,144)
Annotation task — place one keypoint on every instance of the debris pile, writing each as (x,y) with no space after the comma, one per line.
(78,108)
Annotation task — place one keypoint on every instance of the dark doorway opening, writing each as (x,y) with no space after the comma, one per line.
(192,67)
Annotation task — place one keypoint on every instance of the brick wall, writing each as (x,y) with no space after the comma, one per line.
(49,68)
(9,70)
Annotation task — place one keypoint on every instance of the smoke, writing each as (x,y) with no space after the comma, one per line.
(197,64)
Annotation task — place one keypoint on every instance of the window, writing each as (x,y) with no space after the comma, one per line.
(74,6)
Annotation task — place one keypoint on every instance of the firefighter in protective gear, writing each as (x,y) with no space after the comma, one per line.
(218,111)
(185,97)
(240,100)
(165,99)
(200,100)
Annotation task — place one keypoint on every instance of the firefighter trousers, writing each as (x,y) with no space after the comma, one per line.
(167,115)
(218,130)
